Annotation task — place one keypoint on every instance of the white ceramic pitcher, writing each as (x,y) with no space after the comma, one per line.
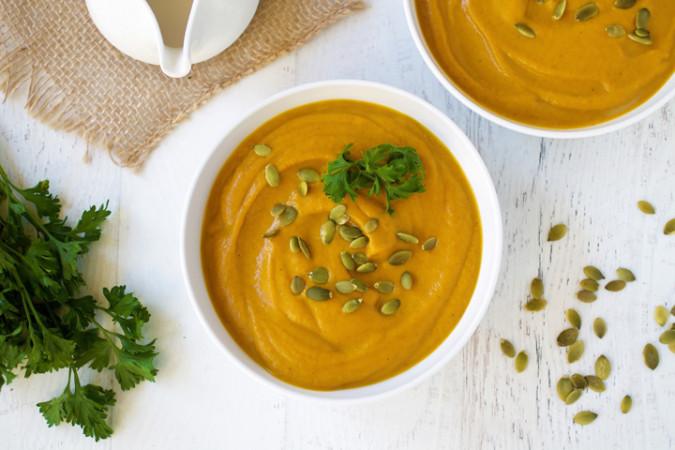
(173,34)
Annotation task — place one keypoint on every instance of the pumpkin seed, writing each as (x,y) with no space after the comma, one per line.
(319,294)
(640,40)
(624,4)
(585,417)
(564,388)
(337,211)
(625,274)
(345,287)
(347,261)
(559,9)
(667,337)
(271,233)
(521,361)
(586,296)
(671,347)
(262,150)
(641,32)
(400,257)
(644,205)
(319,275)
(573,396)
(308,175)
(349,233)
(359,242)
(390,306)
(277,209)
(557,232)
(366,268)
(293,244)
(297,285)
(593,273)
(537,288)
(672,310)
(303,248)
(303,188)
(359,285)
(343,219)
(661,315)
(371,225)
(507,348)
(406,280)
(574,318)
(669,229)
(272,175)
(575,351)
(642,17)
(352,305)
(579,381)
(429,244)
(327,232)
(599,327)
(525,30)
(651,356)
(595,383)
(589,285)
(384,287)
(288,216)
(535,305)
(586,12)
(615,31)
(615,285)
(407,237)
(626,404)
(567,337)
(602,367)
(359,258)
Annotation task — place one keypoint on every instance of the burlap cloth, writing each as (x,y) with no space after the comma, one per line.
(76,81)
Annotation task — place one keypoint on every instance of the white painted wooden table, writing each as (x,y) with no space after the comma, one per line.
(200,400)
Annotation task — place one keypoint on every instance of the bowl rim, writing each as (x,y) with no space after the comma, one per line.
(626,119)
(461,148)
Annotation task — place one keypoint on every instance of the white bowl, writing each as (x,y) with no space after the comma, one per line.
(660,98)
(463,151)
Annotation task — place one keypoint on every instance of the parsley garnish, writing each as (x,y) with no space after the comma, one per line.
(397,171)
(45,325)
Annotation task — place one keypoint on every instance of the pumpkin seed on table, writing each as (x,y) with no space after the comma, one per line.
(288,216)
(429,244)
(557,232)
(525,30)
(599,327)
(384,287)
(574,318)
(359,285)
(308,175)
(271,233)
(661,315)
(667,337)
(602,367)
(672,310)
(669,228)
(345,287)
(593,273)
(262,150)
(320,275)
(407,237)
(400,257)
(567,337)
(297,285)
(349,233)
(293,244)
(626,404)
(272,175)
(359,242)
(337,211)
(303,248)
(671,347)
(359,258)
(352,305)
(586,12)
(507,348)
(327,232)
(390,306)
(585,417)
(651,356)
(615,285)
(575,351)
(624,4)
(537,288)
(564,388)
(573,396)
(371,225)
(586,296)
(347,261)
(303,188)
(406,280)
(367,267)
(521,361)
(559,9)
(645,207)
(595,383)
(642,18)
(579,381)
(615,31)
(640,39)
(277,209)
(318,294)
(625,275)
(589,284)
(535,305)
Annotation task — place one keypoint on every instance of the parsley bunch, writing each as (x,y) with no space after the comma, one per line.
(397,171)
(45,325)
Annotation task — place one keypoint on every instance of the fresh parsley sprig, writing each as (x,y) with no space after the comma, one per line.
(46,326)
(397,171)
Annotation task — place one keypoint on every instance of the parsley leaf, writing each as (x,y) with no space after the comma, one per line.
(397,171)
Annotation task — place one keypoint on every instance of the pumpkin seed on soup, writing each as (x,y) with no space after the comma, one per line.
(319,275)
(349,233)
(359,285)
(521,361)
(327,232)
(537,288)
(303,188)
(308,175)
(641,18)
(625,274)
(262,150)
(271,233)
(585,417)
(429,244)
(303,248)
(559,9)
(347,261)
(669,229)
(575,351)
(567,337)
(359,258)
(586,12)
(318,294)
(651,356)
(337,211)
(400,257)
(352,305)
(525,30)
(626,404)
(557,232)
(345,287)
(602,367)
(599,327)
(288,216)
(297,285)
(564,387)
(593,273)
(535,305)
(615,31)
(586,296)
(407,237)
(573,396)
(574,318)
(277,209)
(390,306)
(624,4)
(293,244)
(646,207)
(641,32)
(589,284)
(507,348)
(359,242)
(640,39)
(371,225)
(384,287)
(272,175)
(366,268)
(615,285)
(406,280)
(661,315)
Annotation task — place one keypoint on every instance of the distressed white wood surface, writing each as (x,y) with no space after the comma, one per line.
(200,400)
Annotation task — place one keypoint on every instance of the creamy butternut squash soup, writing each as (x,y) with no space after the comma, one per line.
(551,64)
(328,313)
